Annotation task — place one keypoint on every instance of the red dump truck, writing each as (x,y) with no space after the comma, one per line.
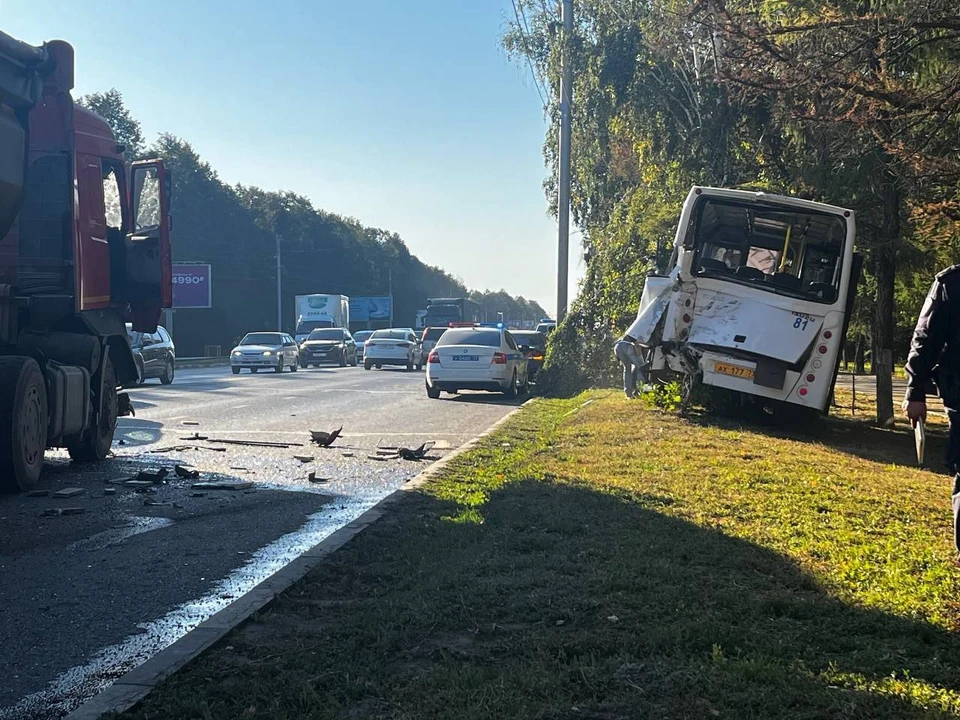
(84,247)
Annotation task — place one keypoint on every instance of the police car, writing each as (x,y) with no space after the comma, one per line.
(476,358)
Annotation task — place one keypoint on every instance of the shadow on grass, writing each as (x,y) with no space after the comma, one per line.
(563,602)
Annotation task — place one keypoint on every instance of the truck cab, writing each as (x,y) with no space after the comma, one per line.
(84,246)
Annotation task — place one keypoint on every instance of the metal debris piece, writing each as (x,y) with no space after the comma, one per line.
(218,485)
(38,493)
(255,443)
(303,458)
(154,476)
(135,483)
(56,512)
(325,439)
(186,473)
(189,422)
(417,454)
(68,492)
(312,477)
(347,454)
(109,491)
(195,436)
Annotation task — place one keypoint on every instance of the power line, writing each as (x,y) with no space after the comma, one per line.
(524,30)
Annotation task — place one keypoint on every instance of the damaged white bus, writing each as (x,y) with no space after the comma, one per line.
(757,300)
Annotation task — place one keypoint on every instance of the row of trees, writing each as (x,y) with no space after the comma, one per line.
(235,229)
(853,103)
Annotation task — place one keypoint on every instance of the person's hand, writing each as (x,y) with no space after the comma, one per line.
(915,410)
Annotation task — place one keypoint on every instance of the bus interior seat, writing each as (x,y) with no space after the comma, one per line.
(746,272)
(711,265)
(785,280)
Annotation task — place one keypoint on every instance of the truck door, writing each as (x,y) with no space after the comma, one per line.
(147,246)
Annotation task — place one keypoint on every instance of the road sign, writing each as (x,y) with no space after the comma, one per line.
(192,286)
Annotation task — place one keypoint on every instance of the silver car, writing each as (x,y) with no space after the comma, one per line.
(360,338)
(266,351)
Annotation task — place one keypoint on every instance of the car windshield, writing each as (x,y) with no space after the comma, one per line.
(272,339)
(389,335)
(471,336)
(778,249)
(326,335)
(433,334)
(363,335)
(532,339)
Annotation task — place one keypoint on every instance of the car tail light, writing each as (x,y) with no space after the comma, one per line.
(827,334)
(538,356)
(499,358)
(811,377)
(433,357)
(822,349)
(802,391)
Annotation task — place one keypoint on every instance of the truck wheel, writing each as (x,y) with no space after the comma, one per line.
(23,422)
(96,441)
(167,376)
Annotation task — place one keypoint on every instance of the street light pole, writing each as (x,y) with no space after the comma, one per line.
(563,201)
(279,304)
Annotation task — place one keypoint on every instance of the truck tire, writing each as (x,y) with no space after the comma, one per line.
(23,422)
(95,443)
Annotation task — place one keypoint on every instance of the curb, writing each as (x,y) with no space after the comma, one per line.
(136,684)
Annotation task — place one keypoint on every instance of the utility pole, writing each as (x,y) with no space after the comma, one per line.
(279,304)
(563,204)
(390,290)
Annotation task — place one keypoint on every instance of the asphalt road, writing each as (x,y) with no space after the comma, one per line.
(85,597)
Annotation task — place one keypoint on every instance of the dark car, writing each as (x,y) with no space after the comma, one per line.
(154,354)
(534,345)
(328,345)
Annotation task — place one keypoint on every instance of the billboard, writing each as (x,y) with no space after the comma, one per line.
(369,309)
(192,286)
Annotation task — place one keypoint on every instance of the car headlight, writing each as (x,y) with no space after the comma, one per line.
(267,353)
(236,353)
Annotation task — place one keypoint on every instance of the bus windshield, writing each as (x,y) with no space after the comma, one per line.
(786,250)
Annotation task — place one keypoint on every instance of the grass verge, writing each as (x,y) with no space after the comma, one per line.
(597,559)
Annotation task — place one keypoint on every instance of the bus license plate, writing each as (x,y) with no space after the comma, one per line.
(735,370)
(468,358)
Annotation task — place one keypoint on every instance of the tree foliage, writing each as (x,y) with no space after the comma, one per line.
(236,229)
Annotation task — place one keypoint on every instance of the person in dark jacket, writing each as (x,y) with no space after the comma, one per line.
(935,357)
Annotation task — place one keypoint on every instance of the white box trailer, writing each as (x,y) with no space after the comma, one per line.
(318,311)
(758,298)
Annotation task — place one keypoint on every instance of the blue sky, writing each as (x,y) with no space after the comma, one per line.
(406,115)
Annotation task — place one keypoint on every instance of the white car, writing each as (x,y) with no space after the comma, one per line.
(396,346)
(476,358)
(265,350)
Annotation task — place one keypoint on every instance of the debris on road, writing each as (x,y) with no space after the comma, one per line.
(347,454)
(153,476)
(198,494)
(325,439)
(156,503)
(189,422)
(255,443)
(303,458)
(38,493)
(186,473)
(68,492)
(312,477)
(196,436)
(218,485)
(133,483)
(109,491)
(57,512)
(183,448)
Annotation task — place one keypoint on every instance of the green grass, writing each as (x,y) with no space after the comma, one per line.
(605,561)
